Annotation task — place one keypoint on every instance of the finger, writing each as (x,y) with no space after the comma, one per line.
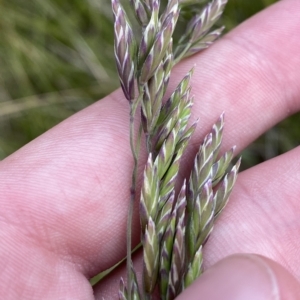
(239,276)
(262,215)
(246,75)
(73,198)
(243,277)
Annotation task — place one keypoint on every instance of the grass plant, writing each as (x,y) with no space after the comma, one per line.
(174,226)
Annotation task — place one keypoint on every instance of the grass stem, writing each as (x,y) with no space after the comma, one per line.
(134,146)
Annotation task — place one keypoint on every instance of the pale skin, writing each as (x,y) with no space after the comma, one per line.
(64,196)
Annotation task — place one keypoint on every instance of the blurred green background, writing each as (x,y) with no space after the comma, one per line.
(56,58)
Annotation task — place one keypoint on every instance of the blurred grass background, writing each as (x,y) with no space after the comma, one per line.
(56,58)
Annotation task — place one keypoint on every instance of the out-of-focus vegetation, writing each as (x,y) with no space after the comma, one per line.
(56,57)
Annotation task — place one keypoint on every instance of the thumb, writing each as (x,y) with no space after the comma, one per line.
(244,277)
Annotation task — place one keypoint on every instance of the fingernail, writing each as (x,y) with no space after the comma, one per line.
(238,277)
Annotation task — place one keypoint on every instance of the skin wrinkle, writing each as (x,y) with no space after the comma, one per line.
(279,68)
(237,86)
(38,234)
(54,244)
(228,217)
(28,232)
(258,63)
(287,262)
(245,244)
(226,37)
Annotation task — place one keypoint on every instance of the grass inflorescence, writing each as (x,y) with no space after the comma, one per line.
(174,225)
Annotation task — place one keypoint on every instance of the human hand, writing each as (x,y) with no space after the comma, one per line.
(64,196)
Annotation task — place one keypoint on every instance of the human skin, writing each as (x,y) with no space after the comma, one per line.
(64,196)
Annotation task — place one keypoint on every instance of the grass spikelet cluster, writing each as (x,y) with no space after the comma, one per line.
(174,225)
